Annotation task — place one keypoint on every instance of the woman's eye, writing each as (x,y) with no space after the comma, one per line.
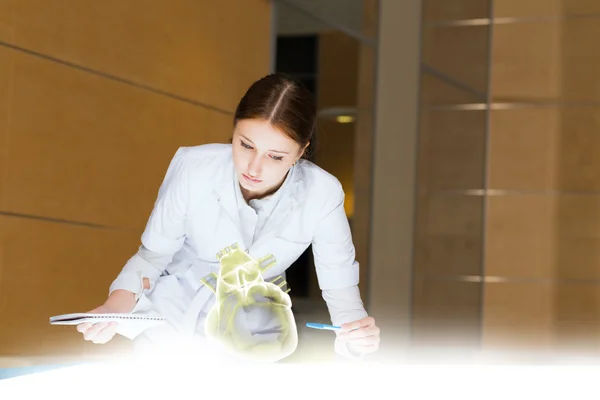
(277,158)
(246,146)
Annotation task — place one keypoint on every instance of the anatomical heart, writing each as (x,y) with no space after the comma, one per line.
(252,318)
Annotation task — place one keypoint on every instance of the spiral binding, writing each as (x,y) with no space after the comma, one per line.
(122,317)
(117,316)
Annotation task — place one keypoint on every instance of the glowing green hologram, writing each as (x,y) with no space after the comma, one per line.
(251,317)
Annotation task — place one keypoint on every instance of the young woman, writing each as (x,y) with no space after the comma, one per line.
(260,191)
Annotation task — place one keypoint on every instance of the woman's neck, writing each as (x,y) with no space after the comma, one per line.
(248,195)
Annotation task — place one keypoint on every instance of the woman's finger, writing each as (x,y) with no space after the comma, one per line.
(84,327)
(365,341)
(91,333)
(365,349)
(361,323)
(106,334)
(360,333)
(110,329)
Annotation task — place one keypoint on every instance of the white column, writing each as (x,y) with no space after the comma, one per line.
(394,169)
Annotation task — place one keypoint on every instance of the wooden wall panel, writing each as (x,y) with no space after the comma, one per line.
(542,229)
(526,62)
(520,236)
(451,150)
(47,269)
(524,149)
(460,53)
(203,50)
(446,314)
(6,62)
(7,20)
(518,316)
(543,8)
(85,148)
(554,319)
(448,236)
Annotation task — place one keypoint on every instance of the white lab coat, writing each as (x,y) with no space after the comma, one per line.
(196,215)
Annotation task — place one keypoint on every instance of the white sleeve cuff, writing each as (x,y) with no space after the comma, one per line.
(345,305)
(132,275)
(130,281)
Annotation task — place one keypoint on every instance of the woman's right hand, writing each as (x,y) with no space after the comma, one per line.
(100,332)
(120,301)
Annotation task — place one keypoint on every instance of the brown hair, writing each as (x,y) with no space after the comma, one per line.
(284,102)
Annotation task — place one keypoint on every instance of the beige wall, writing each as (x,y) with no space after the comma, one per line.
(94,101)
(528,203)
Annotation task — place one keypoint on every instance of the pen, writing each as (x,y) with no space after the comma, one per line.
(316,325)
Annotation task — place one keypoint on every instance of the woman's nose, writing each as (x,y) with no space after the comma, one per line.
(254,166)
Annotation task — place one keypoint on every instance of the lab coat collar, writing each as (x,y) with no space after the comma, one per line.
(290,198)
(292,193)
(225,191)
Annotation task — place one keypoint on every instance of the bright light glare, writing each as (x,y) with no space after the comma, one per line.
(178,377)
(344,119)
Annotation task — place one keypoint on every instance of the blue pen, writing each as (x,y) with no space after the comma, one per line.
(316,325)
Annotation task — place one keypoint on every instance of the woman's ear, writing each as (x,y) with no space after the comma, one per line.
(303,150)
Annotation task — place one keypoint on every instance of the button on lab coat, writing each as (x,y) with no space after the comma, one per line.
(196,215)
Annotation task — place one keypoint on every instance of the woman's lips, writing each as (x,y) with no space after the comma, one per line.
(250,179)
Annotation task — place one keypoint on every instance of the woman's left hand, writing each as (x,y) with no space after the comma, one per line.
(362,336)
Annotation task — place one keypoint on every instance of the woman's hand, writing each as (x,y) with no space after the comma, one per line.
(120,301)
(361,336)
(100,332)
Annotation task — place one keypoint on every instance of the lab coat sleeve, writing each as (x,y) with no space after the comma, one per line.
(344,305)
(333,249)
(337,269)
(164,233)
(165,229)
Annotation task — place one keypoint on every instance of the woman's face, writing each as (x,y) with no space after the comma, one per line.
(262,156)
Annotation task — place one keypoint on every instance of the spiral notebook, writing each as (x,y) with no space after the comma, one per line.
(128,325)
